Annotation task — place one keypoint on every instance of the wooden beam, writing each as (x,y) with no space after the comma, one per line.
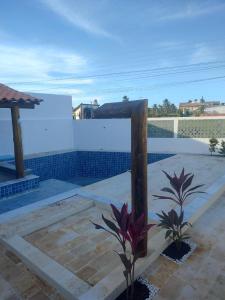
(139,167)
(137,111)
(21,105)
(17,139)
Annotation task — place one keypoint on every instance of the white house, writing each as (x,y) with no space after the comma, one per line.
(85,111)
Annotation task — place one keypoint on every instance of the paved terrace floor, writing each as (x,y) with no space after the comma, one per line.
(207,170)
(201,277)
(203,274)
(69,238)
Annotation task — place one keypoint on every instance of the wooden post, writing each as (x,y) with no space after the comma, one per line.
(139,167)
(17,139)
(137,111)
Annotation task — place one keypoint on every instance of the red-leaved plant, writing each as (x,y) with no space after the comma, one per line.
(179,191)
(129,233)
(180,188)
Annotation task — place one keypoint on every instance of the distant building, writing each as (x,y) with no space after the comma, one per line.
(215,110)
(192,106)
(85,111)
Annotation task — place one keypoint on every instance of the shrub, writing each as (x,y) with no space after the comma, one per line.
(129,233)
(174,225)
(212,145)
(222,148)
(179,191)
(180,188)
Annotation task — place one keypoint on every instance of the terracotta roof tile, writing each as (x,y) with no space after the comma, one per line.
(9,95)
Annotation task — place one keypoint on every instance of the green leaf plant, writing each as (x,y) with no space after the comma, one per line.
(222,148)
(213,145)
(179,191)
(173,225)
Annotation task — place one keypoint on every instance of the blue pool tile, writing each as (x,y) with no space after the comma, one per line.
(97,164)
(11,187)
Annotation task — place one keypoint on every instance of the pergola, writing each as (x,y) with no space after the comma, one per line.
(10,98)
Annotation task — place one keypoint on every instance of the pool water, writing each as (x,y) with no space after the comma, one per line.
(47,188)
(82,181)
(66,171)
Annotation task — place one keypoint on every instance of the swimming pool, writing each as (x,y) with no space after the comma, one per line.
(87,164)
(64,171)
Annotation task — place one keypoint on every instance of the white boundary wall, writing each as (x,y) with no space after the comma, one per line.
(50,127)
(47,127)
(103,135)
(114,135)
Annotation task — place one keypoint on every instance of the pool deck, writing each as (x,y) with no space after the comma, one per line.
(192,280)
(59,239)
(117,189)
(202,277)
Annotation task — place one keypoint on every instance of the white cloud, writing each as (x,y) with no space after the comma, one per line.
(37,69)
(203,53)
(72,81)
(191,10)
(79,15)
(27,64)
(64,91)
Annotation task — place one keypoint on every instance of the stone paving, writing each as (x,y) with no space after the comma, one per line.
(203,275)
(18,283)
(206,169)
(59,238)
(78,246)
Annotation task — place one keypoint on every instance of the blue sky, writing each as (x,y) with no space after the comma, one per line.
(106,49)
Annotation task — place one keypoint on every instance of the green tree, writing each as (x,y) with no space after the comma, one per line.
(180,113)
(166,106)
(222,148)
(212,145)
(202,109)
(187,113)
(155,110)
(202,100)
(173,109)
(163,110)
(125,99)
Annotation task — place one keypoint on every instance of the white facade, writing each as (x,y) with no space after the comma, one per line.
(220,109)
(115,135)
(48,127)
(103,135)
(80,112)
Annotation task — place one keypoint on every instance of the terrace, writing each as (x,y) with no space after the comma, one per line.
(193,280)
(50,249)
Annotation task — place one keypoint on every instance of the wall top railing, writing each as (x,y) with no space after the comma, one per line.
(183,127)
(188,118)
(194,127)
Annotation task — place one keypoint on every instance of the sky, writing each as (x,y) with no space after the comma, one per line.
(105,49)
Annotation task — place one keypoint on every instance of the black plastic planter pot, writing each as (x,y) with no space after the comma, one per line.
(143,290)
(179,255)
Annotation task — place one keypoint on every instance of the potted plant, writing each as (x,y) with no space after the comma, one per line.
(212,145)
(179,191)
(129,233)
